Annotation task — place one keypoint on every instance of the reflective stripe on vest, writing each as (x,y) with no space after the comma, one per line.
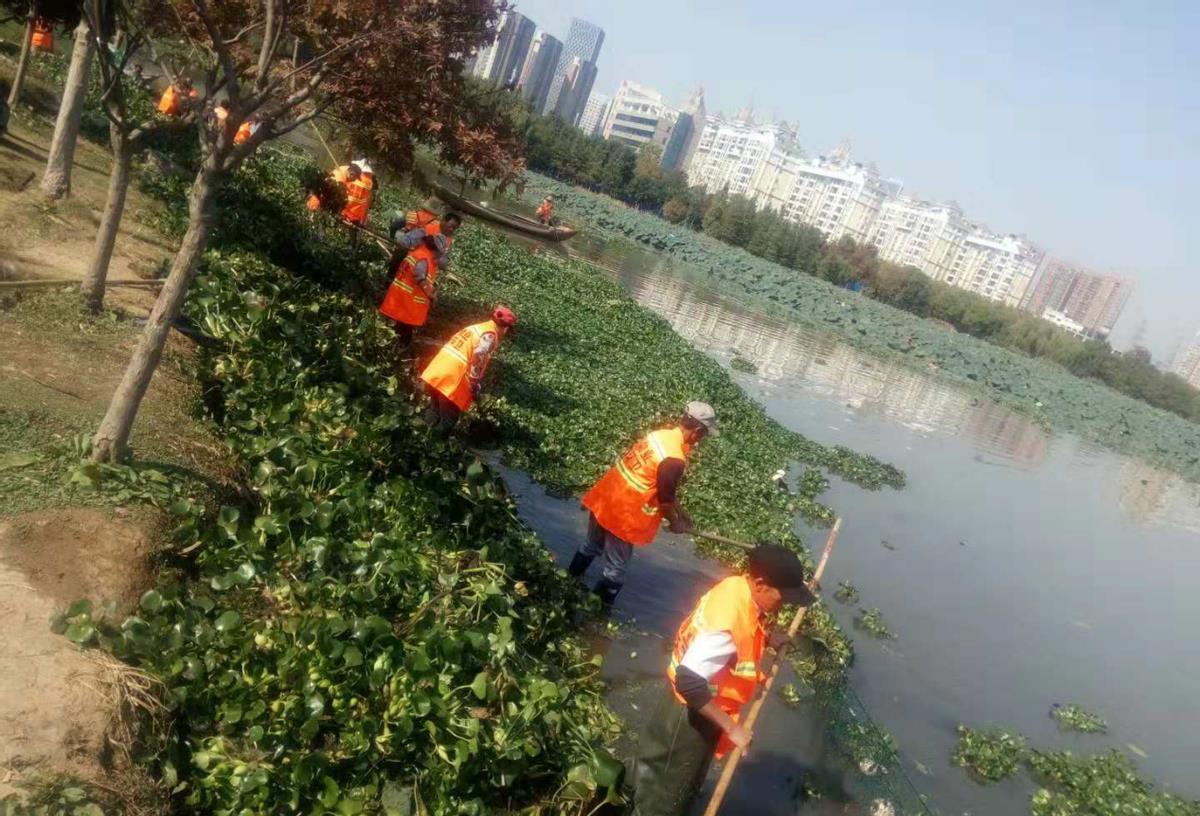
(625,500)
(727,607)
(447,373)
(358,199)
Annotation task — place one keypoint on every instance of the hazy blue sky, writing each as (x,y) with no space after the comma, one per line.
(1076,123)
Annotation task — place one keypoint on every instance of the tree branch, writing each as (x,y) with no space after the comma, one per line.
(305,119)
(267,48)
(363,35)
(224,57)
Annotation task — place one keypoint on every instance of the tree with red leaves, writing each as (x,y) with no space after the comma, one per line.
(392,67)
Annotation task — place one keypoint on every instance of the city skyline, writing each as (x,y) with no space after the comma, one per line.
(1005,111)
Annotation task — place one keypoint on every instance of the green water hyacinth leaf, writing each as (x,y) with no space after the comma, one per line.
(228,621)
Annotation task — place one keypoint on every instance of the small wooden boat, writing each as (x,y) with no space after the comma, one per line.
(529,226)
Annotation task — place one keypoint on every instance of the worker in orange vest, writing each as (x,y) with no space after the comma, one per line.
(42,38)
(340,178)
(630,501)
(545,210)
(178,98)
(419,256)
(245,130)
(454,376)
(359,189)
(714,671)
(419,218)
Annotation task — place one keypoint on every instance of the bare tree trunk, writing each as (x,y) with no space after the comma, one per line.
(56,182)
(14,93)
(92,289)
(112,438)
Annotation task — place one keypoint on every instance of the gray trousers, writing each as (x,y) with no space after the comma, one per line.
(673,756)
(617,553)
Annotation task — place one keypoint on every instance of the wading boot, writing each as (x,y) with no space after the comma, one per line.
(607,591)
(579,564)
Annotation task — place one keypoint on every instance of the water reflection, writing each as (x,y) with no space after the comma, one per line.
(791,357)
(1155,496)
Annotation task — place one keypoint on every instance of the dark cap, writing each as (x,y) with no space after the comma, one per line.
(779,567)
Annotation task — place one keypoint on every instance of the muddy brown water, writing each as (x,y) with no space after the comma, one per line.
(1019,568)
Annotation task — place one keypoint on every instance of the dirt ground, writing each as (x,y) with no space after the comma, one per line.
(53,709)
(57,372)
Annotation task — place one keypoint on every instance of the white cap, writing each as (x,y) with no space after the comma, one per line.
(363,166)
(703,413)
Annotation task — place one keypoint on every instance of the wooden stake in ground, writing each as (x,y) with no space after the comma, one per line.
(714,804)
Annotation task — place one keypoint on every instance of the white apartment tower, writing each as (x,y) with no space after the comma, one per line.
(735,153)
(837,196)
(999,267)
(912,232)
(594,113)
(638,115)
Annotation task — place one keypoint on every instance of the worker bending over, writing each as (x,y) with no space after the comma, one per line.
(714,671)
(454,376)
(545,210)
(630,501)
(420,254)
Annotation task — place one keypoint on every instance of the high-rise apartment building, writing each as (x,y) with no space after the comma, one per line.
(734,153)
(999,267)
(638,115)
(594,114)
(583,44)
(912,232)
(837,196)
(538,71)
(502,61)
(1187,363)
(685,135)
(575,90)
(1093,300)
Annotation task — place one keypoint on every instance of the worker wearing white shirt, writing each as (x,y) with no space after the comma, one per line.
(714,671)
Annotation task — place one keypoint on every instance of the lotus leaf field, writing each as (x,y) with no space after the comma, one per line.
(368,625)
(1066,402)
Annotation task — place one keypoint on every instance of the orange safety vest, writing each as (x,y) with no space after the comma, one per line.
(625,500)
(419,219)
(168,104)
(358,199)
(727,607)
(42,38)
(447,371)
(544,209)
(244,132)
(405,300)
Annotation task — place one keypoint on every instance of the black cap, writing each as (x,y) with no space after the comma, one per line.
(779,567)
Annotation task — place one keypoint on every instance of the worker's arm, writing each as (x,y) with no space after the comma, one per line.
(670,474)
(479,359)
(706,655)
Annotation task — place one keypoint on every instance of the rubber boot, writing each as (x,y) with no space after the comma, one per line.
(579,564)
(607,591)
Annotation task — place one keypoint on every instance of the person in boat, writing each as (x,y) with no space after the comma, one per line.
(629,503)
(545,210)
(454,377)
(419,256)
(713,672)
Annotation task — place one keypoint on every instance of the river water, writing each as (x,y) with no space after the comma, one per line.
(1018,569)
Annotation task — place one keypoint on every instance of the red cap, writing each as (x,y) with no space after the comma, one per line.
(504,316)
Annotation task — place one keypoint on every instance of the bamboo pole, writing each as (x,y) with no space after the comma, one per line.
(720,539)
(38,283)
(714,803)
